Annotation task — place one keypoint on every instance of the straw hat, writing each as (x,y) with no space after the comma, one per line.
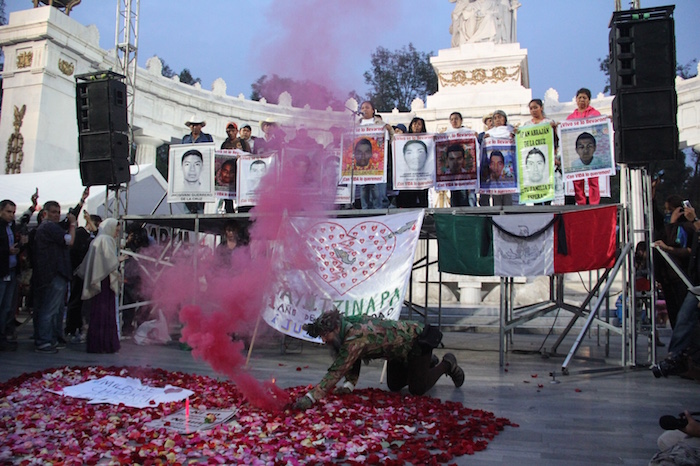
(195,119)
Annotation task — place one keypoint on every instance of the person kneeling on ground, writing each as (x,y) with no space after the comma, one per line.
(406,345)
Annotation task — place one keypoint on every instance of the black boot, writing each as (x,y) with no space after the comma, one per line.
(454,371)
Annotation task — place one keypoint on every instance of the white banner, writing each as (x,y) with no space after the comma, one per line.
(518,251)
(360,266)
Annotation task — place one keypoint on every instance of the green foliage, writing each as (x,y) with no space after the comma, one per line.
(604,65)
(396,78)
(303,93)
(187,78)
(689,70)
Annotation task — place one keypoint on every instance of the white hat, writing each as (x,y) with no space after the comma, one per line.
(195,119)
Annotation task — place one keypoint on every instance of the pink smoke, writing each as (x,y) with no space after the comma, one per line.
(215,303)
(319,40)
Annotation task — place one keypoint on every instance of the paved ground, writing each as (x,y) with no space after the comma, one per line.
(582,419)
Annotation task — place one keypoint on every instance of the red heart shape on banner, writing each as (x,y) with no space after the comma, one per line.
(361,241)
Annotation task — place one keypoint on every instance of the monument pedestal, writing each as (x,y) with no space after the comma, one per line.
(481,77)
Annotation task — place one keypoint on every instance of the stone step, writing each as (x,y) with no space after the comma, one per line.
(485,319)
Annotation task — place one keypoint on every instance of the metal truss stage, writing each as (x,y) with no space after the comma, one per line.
(510,316)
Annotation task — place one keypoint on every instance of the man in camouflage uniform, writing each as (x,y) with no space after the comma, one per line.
(406,345)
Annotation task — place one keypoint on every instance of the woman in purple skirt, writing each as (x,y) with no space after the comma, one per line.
(100,288)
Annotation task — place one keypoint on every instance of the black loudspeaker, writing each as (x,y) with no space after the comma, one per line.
(639,146)
(642,49)
(102,128)
(642,77)
(650,107)
(101,106)
(104,158)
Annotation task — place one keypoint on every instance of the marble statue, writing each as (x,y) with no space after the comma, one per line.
(476,21)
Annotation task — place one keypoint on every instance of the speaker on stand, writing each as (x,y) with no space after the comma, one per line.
(102,128)
(642,78)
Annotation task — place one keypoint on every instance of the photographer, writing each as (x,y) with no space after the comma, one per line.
(686,329)
(679,446)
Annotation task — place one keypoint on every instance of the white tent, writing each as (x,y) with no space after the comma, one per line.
(146,190)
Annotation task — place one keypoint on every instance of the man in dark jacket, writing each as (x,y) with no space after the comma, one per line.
(9,250)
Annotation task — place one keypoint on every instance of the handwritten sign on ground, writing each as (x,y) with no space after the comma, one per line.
(195,421)
(128,391)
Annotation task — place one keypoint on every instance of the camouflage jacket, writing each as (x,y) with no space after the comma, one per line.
(367,338)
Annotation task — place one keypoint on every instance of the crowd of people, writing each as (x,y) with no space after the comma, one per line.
(67,277)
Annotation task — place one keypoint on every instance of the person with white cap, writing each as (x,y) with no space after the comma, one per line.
(196,135)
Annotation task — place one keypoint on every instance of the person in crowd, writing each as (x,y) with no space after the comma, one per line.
(417,155)
(23,270)
(196,136)
(302,140)
(100,288)
(400,129)
(233,238)
(248,138)
(675,240)
(406,345)
(83,238)
(374,196)
(584,110)
(231,135)
(9,265)
(136,240)
(459,197)
(232,140)
(487,120)
(686,329)
(535,168)
(274,137)
(500,129)
(679,446)
(52,273)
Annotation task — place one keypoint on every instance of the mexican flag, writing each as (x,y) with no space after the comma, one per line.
(523,245)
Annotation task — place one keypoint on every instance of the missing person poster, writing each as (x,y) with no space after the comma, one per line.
(498,169)
(586,147)
(535,151)
(251,170)
(365,155)
(225,167)
(455,160)
(330,176)
(191,173)
(414,161)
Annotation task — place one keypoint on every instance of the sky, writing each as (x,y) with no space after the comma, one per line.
(331,41)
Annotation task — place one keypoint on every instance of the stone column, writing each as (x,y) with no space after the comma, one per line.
(146,149)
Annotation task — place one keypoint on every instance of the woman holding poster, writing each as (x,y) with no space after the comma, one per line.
(411,168)
(584,110)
